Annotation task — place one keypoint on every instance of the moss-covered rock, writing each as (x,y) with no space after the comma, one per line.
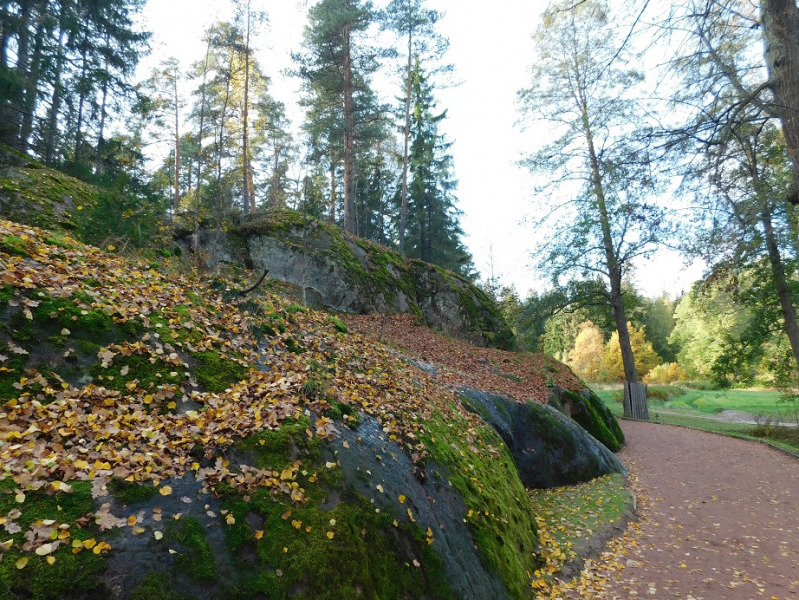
(180,441)
(548,448)
(33,194)
(592,414)
(340,272)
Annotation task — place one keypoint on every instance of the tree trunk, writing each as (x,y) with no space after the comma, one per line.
(31,87)
(635,405)
(14,110)
(82,95)
(176,201)
(5,33)
(407,136)
(612,263)
(247,183)
(349,135)
(781,283)
(198,194)
(333,198)
(55,100)
(780,20)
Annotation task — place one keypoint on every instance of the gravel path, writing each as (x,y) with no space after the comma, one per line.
(720,520)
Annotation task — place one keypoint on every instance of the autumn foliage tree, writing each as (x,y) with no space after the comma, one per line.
(645,356)
(587,359)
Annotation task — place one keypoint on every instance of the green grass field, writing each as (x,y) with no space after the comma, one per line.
(765,403)
(693,407)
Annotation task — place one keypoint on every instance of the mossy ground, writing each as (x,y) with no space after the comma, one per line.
(382,272)
(42,197)
(187,536)
(567,516)
(216,373)
(150,327)
(71,575)
(322,549)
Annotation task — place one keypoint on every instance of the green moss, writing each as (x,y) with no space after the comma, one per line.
(39,506)
(596,419)
(20,328)
(57,341)
(278,449)
(366,557)
(367,552)
(6,293)
(71,315)
(338,324)
(87,347)
(10,373)
(42,197)
(131,493)
(196,557)
(13,245)
(501,518)
(149,375)
(215,373)
(61,243)
(294,346)
(156,585)
(71,576)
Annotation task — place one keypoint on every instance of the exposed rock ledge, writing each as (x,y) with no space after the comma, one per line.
(344,273)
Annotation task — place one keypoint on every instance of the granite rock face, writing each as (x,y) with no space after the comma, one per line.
(343,273)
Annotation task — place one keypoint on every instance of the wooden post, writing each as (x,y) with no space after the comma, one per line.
(635,404)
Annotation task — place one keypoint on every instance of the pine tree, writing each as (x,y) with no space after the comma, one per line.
(335,68)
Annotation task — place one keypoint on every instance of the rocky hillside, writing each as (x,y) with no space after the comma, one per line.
(165,437)
(336,271)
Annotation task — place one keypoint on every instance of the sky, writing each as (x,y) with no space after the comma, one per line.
(492,51)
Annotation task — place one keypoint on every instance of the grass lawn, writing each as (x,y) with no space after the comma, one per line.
(566,516)
(694,406)
(755,402)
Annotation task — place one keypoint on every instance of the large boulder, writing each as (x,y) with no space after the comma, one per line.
(344,273)
(549,448)
(33,194)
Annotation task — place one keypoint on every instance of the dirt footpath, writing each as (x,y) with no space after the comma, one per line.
(720,520)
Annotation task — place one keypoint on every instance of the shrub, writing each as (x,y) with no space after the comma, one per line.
(701,384)
(663,392)
(666,373)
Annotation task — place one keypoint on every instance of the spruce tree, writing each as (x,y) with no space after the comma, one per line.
(434,231)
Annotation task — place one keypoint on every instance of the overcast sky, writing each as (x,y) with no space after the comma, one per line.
(491,48)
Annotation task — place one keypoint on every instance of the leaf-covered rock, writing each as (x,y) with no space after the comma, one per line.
(224,446)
